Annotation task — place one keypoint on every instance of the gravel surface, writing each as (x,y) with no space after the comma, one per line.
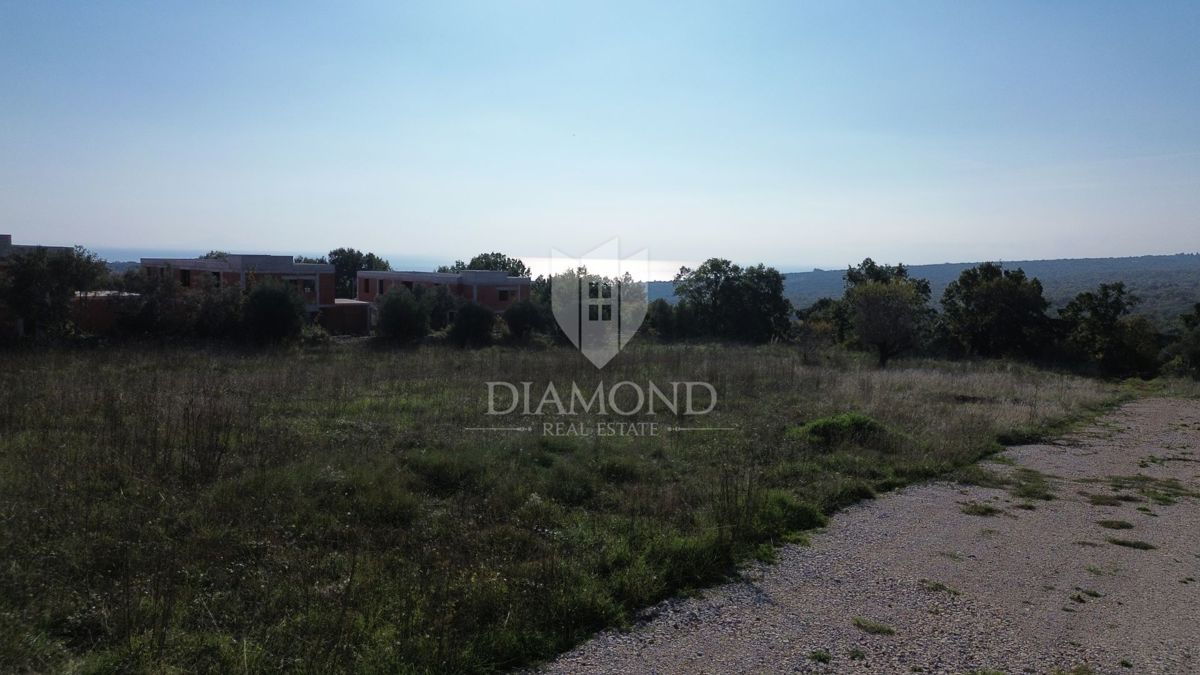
(1019,591)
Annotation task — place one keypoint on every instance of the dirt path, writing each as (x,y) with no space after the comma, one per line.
(1017,591)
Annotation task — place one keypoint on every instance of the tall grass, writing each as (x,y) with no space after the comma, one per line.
(229,511)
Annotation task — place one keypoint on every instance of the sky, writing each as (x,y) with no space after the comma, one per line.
(798,134)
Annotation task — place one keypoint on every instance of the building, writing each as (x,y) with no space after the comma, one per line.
(9,249)
(313,281)
(495,290)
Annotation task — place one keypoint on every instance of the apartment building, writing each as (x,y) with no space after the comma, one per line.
(495,290)
(313,281)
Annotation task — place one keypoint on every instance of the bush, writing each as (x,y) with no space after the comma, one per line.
(472,326)
(839,430)
(523,318)
(219,313)
(402,317)
(315,336)
(273,312)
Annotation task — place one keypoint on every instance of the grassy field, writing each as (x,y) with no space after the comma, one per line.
(200,510)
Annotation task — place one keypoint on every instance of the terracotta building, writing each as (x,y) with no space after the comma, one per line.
(313,281)
(494,290)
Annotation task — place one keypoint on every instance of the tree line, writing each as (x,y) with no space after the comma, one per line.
(987,312)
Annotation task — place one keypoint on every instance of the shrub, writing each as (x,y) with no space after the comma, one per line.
(219,313)
(838,430)
(315,336)
(273,312)
(402,317)
(523,318)
(472,326)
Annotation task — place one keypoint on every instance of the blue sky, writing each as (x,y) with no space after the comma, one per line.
(793,133)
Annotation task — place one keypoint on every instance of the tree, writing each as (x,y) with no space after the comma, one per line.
(215,255)
(307,260)
(887,315)
(660,320)
(495,261)
(441,304)
(991,311)
(869,270)
(472,326)
(39,285)
(1185,352)
(347,263)
(523,318)
(402,317)
(273,312)
(732,303)
(1100,331)
(219,314)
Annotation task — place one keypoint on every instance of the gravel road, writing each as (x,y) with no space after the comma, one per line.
(1019,591)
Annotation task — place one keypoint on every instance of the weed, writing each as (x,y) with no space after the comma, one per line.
(873,627)
(936,586)
(979,509)
(820,656)
(1115,524)
(1132,543)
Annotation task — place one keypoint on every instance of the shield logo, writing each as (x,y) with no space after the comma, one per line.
(599,300)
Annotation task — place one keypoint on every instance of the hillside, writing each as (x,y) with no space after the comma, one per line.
(1167,284)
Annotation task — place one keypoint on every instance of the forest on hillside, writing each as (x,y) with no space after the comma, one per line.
(1167,285)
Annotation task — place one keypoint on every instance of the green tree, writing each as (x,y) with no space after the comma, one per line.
(523,318)
(347,263)
(887,316)
(1185,351)
(215,255)
(660,320)
(870,271)
(308,260)
(1093,324)
(402,317)
(490,261)
(472,326)
(991,311)
(39,285)
(734,303)
(273,312)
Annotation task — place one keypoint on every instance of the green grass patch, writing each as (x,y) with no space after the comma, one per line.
(1115,524)
(1132,543)
(980,509)
(872,627)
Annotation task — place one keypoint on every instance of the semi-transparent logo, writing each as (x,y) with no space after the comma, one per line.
(599,299)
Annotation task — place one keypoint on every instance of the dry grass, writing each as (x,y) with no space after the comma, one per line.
(209,510)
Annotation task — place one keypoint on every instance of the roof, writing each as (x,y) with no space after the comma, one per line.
(282,264)
(463,277)
(8,249)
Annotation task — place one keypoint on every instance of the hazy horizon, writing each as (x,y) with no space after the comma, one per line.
(798,135)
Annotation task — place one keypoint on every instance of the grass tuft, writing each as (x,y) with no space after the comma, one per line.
(872,627)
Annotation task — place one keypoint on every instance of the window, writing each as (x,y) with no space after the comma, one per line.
(408,285)
(366,286)
(593,312)
(504,293)
(216,277)
(185,277)
(310,286)
(606,312)
(382,286)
